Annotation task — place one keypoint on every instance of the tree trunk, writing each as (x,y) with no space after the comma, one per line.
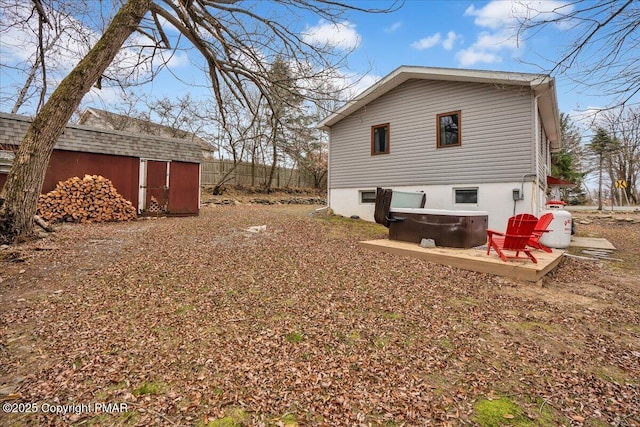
(253,166)
(274,163)
(600,185)
(19,197)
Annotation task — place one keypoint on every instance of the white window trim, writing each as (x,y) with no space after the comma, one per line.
(360,192)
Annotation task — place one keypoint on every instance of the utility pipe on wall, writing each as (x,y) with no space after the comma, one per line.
(522,190)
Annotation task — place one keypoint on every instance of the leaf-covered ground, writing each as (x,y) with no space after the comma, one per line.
(198,322)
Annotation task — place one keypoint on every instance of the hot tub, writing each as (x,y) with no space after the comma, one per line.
(450,228)
(412,223)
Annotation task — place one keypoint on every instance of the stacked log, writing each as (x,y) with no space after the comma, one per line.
(89,199)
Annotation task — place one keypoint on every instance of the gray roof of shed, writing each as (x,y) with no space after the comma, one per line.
(93,140)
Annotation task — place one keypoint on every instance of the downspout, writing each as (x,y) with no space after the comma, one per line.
(537,148)
(329,139)
(328,206)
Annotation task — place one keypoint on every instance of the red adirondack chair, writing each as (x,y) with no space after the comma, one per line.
(515,239)
(541,227)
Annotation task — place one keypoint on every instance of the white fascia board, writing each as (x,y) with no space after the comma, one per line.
(548,106)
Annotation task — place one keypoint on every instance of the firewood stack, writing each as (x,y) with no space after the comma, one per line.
(89,199)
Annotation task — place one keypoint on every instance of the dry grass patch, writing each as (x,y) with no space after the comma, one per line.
(192,321)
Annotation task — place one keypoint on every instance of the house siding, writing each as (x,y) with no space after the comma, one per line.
(411,111)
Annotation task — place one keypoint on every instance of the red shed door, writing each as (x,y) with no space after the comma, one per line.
(154,186)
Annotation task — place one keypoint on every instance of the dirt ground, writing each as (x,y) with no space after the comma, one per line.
(203,321)
(238,195)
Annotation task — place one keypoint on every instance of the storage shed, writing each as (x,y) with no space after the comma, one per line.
(157,174)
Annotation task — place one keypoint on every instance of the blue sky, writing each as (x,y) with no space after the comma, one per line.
(453,34)
(466,34)
(456,34)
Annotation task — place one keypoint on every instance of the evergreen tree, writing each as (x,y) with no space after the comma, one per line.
(284,103)
(566,163)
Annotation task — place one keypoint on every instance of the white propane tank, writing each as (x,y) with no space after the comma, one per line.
(560,235)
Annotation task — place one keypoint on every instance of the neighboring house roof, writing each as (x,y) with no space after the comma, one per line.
(542,85)
(95,140)
(558,182)
(107,120)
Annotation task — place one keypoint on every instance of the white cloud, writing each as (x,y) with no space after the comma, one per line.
(472,56)
(18,43)
(18,48)
(496,41)
(494,15)
(499,13)
(176,59)
(450,40)
(341,35)
(14,46)
(500,22)
(427,42)
(353,85)
(588,118)
(436,39)
(365,83)
(393,27)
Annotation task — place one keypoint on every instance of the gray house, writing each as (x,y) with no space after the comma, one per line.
(470,139)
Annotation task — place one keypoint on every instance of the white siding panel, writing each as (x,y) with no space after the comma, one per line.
(496,137)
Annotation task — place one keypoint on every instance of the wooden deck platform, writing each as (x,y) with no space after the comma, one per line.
(473,259)
(591,242)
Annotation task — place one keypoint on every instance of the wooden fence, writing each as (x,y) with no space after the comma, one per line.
(214,170)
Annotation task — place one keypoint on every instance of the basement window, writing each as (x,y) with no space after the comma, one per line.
(466,195)
(367,196)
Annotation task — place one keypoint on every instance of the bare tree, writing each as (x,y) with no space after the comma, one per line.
(623,159)
(603,52)
(51,33)
(602,145)
(51,36)
(19,196)
(234,41)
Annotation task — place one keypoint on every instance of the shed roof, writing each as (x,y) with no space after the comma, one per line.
(542,85)
(94,140)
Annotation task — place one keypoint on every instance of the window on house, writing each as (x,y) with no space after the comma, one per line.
(367,196)
(449,127)
(380,139)
(466,195)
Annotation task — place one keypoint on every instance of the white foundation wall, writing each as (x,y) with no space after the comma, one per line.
(497,199)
